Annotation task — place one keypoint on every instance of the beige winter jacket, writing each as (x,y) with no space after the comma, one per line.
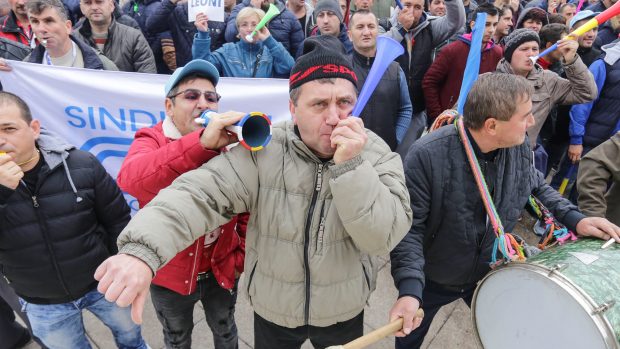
(599,168)
(550,90)
(313,231)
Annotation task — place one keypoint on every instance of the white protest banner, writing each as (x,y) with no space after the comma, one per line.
(214,9)
(99,111)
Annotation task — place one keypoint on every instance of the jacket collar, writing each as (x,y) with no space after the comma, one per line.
(361,59)
(54,149)
(91,60)
(170,130)
(466,38)
(292,135)
(535,76)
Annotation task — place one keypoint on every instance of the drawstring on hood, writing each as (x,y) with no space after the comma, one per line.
(55,150)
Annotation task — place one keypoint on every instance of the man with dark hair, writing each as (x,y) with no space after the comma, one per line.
(549,35)
(309,272)
(60,214)
(441,260)
(57,46)
(504,25)
(586,50)
(442,82)
(329,21)
(206,271)
(124,45)
(419,34)
(388,111)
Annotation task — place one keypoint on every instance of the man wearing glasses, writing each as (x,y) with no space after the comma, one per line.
(208,270)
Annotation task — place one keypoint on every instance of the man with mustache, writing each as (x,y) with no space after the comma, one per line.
(15,26)
(207,270)
(57,46)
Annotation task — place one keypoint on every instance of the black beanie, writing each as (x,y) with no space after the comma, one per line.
(516,38)
(323,57)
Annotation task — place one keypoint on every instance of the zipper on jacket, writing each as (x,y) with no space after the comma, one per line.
(319,239)
(48,243)
(317,190)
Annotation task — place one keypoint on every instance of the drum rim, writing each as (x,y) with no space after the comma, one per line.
(582,298)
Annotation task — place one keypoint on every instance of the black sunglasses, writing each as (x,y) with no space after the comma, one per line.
(193,95)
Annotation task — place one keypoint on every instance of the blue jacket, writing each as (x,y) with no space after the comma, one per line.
(174,18)
(594,122)
(285,27)
(239,59)
(343,37)
(140,10)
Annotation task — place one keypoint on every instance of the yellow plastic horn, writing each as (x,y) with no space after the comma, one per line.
(272,12)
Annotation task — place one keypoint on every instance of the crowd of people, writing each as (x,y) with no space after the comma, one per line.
(353,189)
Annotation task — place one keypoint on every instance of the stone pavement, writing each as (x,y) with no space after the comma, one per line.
(452,327)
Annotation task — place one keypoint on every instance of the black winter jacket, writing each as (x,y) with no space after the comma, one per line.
(53,239)
(447,244)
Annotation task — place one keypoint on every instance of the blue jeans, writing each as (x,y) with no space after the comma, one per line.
(61,326)
(176,313)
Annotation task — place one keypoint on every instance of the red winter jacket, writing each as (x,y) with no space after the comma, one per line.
(442,81)
(10,29)
(154,161)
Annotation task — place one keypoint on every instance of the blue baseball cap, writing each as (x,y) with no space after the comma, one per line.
(581,15)
(197,66)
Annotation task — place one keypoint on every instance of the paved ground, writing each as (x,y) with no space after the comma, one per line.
(452,327)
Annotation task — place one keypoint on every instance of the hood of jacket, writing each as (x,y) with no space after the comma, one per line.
(466,38)
(53,147)
(612,53)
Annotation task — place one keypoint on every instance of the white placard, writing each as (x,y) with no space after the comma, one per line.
(99,111)
(214,9)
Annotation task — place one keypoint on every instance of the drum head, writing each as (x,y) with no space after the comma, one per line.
(521,307)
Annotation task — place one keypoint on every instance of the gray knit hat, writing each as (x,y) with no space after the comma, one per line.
(516,38)
(328,5)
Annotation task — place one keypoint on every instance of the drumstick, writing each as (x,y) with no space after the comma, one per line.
(608,243)
(377,334)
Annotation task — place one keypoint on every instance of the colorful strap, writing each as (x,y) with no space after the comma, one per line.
(504,242)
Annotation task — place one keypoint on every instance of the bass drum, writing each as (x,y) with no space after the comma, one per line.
(566,297)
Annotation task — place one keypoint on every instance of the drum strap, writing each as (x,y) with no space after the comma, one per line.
(504,242)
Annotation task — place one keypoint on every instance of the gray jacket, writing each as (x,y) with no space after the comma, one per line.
(550,90)
(314,229)
(125,46)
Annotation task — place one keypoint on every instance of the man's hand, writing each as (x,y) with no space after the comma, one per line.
(202,22)
(4,66)
(598,227)
(10,173)
(215,135)
(406,308)
(406,18)
(349,138)
(574,152)
(125,279)
(262,34)
(568,47)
